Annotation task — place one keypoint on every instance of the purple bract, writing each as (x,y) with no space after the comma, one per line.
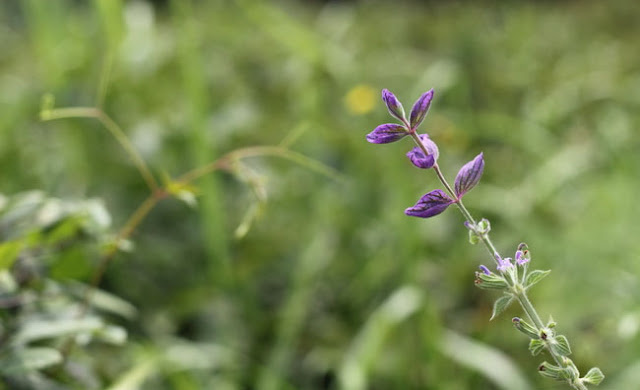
(432,203)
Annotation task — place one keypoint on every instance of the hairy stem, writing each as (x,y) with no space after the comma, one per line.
(518,291)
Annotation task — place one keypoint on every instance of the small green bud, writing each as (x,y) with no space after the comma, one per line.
(484,226)
(593,377)
(525,328)
(554,372)
(491,281)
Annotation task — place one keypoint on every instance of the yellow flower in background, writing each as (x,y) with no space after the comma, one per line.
(360,99)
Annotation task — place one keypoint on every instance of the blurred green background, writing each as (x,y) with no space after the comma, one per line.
(333,287)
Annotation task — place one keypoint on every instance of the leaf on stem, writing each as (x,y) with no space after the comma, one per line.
(501,305)
(431,204)
(594,376)
(469,175)
(560,346)
(393,104)
(387,133)
(534,277)
(536,346)
(420,108)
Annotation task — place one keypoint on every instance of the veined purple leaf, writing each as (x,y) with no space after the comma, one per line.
(431,204)
(393,104)
(384,134)
(469,175)
(420,108)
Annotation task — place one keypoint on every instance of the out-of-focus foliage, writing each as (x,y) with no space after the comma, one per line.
(330,285)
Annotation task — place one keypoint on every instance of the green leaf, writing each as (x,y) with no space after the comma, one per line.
(23,360)
(473,237)
(9,252)
(536,346)
(594,376)
(534,277)
(560,345)
(501,305)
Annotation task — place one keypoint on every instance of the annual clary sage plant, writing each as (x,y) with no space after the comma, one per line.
(512,275)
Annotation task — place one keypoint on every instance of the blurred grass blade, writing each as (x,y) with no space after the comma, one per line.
(488,361)
(104,301)
(137,375)
(46,329)
(365,348)
(315,258)
(22,361)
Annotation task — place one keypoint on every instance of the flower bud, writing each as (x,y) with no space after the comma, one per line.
(525,328)
(554,372)
(490,281)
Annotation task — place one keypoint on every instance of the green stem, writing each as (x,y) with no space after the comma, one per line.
(518,291)
(113,128)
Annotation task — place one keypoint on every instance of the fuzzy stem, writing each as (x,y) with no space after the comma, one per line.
(518,291)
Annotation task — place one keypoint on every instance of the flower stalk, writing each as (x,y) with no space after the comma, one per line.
(512,278)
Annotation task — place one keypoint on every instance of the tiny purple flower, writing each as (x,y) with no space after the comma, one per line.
(520,260)
(420,108)
(431,204)
(522,256)
(386,133)
(485,270)
(504,264)
(469,175)
(393,104)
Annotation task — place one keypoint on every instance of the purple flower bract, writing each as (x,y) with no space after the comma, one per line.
(420,108)
(393,104)
(386,133)
(431,204)
(469,175)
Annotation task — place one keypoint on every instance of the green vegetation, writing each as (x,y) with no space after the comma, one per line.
(296,267)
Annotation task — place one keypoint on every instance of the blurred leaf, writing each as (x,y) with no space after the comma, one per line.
(485,359)
(104,300)
(9,251)
(24,360)
(47,329)
(365,348)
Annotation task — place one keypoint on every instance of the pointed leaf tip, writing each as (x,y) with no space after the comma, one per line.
(393,104)
(420,108)
(431,204)
(469,175)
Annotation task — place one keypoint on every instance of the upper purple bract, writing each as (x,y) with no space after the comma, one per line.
(469,175)
(393,104)
(420,108)
(431,204)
